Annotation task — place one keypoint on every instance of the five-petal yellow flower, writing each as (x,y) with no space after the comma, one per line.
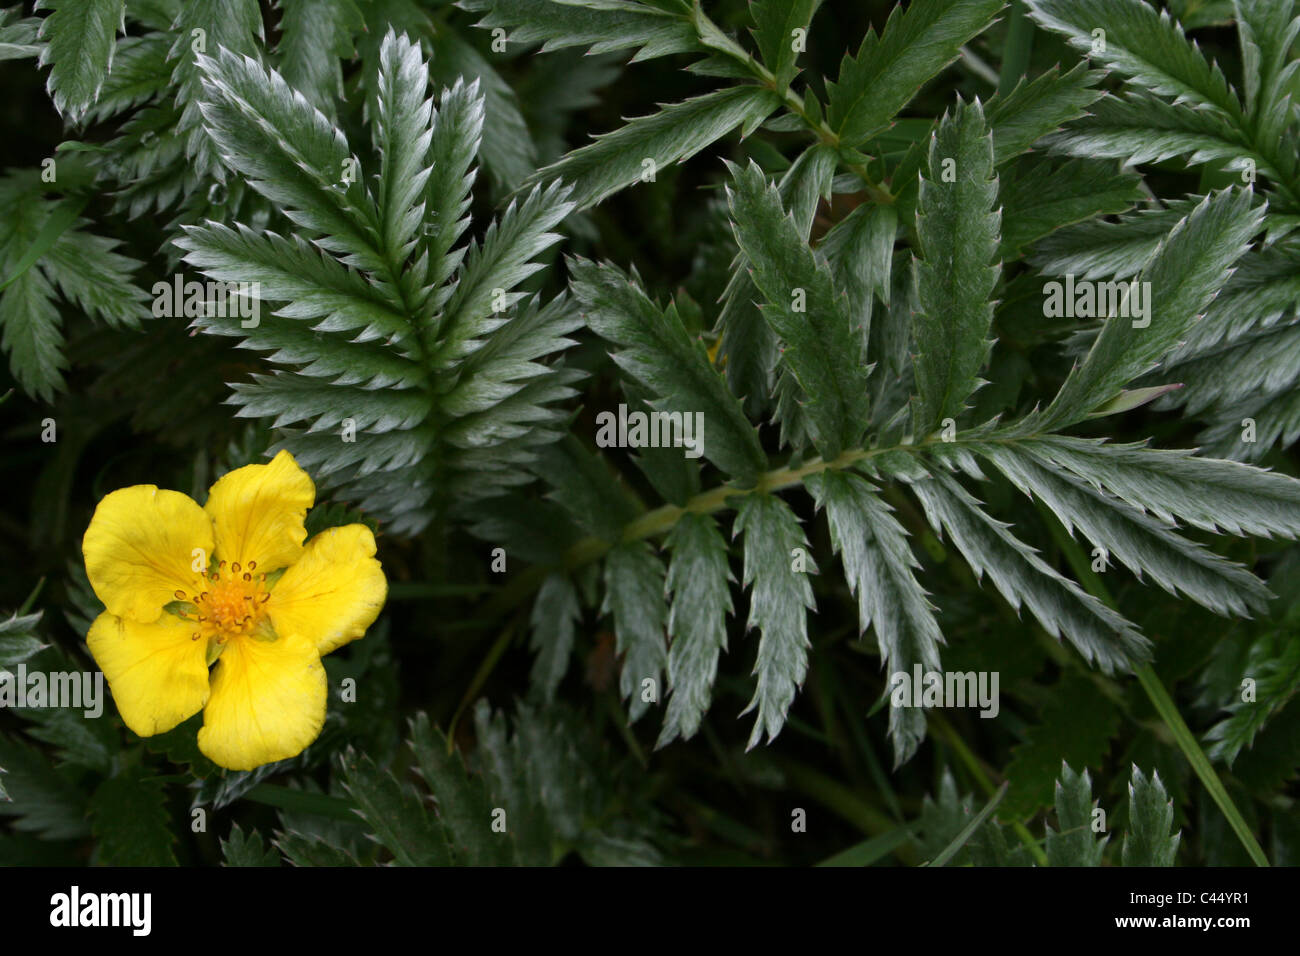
(224,609)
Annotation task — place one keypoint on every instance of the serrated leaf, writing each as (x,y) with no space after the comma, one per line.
(464,807)
(394,814)
(1147,841)
(958,231)
(1144,45)
(286,149)
(658,352)
(880,568)
(634,598)
(1273,667)
(129,820)
(1074,726)
(1063,608)
(247,849)
(43,800)
(774,24)
(1140,542)
(699,584)
(1187,270)
(1039,199)
(1035,108)
(777,562)
(552,624)
(1074,844)
(601,28)
(19,639)
(916,43)
(79,40)
(822,349)
(677,132)
(313,38)
(1219,496)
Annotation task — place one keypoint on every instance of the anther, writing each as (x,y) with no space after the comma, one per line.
(235,567)
(178,594)
(247,576)
(252,565)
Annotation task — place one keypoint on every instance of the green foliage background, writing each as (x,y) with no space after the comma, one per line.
(796,262)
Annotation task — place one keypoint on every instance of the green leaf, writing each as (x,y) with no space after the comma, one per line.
(402,136)
(1075,725)
(1039,198)
(129,820)
(1140,129)
(1074,844)
(1266,30)
(1189,267)
(1035,108)
(483,296)
(19,639)
(247,849)
(1273,665)
(775,22)
(19,35)
(507,148)
(777,563)
(1150,818)
(646,144)
(464,806)
(880,568)
(394,813)
(600,27)
(582,483)
(288,151)
(79,41)
(229,28)
(1101,249)
(822,349)
(860,251)
(916,44)
(658,352)
(1140,542)
(699,584)
(634,597)
(313,39)
(1219,496)
(555,614)
(1063,608)
(1146,47)
(958,231)
(44,801)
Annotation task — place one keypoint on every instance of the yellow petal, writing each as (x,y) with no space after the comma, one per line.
(333,592)
(267,703)
(258,513)
(142,545)
(158,675)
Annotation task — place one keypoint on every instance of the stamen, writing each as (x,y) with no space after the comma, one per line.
(235,567)
(194,636)
(178,594)
(247,576)
(252,565)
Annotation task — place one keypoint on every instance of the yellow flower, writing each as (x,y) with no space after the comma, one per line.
(230,584)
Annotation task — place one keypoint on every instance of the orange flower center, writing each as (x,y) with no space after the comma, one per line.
(230,603)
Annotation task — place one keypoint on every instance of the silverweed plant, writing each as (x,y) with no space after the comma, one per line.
(739,432)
